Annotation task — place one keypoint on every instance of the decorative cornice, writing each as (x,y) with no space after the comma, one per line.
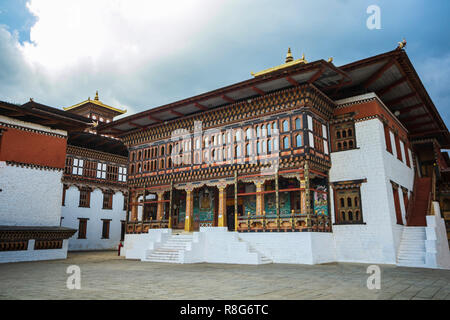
(32,166)
(22,128)
(96,155)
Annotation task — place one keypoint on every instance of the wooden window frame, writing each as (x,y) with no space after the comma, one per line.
(341,141)
(85,202)
(108,200)
(342,191)
(105,231)
(82,233)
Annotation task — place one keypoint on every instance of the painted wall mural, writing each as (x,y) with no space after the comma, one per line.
(321,201)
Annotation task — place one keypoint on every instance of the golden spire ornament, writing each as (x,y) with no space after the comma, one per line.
(289,56)
(96,95)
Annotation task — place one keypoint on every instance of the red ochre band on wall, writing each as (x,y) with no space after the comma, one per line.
(32,148)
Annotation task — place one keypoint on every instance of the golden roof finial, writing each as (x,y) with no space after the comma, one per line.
(330,59)
(96,95)
(289,56)
(402,44)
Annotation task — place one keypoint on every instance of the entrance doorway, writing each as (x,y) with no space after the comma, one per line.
(230,218)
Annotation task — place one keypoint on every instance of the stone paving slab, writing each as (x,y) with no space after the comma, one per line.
(104,275)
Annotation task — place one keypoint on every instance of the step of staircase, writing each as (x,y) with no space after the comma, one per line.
(412,250)
(263,258)
(171,251)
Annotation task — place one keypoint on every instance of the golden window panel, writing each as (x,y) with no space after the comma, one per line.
(348,205)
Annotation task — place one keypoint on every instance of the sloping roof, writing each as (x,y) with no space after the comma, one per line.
(98,143)
(41,114)
(320,72)
(96,102)
(393,78)
(390,75)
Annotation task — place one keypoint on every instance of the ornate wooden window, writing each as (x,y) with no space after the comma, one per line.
(344,136)
(347,202)
(112,172)
(125,202)
(105,228)
(77,167)
(285,143)
(101,170)
(285,126)
(298,123)
(107,200)
(82,226)
(298,141)
(85,197)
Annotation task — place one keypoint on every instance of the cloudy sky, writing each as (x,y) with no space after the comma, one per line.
(141,54)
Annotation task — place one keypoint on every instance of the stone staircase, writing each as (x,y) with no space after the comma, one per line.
(412,250)
(171,251)
(262,258)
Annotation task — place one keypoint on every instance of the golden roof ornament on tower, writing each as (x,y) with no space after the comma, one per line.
(289,57)
(96,95)
(330,59)
(289,62)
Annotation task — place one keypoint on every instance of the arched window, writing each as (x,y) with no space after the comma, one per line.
(350,132)
(269,145)
(343,216)
(258,147)
(132,156)
(162,164)
(263,129)
(197,144)
(139,155)
(132,169)
(344,134)
(285,125)
(357,215)
(349,202)
(286,143)
(248,149)
(248,132)
(238,151)
(162,151)
(350,144)
(339,146)
(213,154)
(269,128)
(356,201)
(338,134)
(169,163)
(344,145)
(298,140)
(342,202)
(297,123)
(238,135)
(350,216)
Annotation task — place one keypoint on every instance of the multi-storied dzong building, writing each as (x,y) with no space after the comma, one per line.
(307,161)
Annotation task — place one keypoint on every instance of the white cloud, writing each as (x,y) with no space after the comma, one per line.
(143,53)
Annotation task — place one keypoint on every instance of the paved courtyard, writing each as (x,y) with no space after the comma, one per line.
(104,275)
